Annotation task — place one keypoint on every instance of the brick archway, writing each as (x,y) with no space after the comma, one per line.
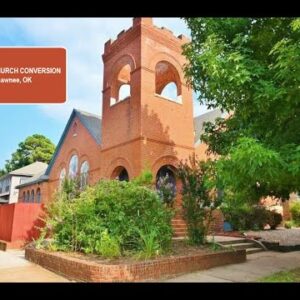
(119,162)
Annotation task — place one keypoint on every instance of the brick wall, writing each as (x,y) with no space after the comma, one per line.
(84,270)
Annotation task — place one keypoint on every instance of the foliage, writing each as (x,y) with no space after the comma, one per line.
(243,216)
(295,211)
(166,190)
(150,246)
(199,184)
(112,214)
(70,188)
(34,148)
(289,224)
(108,246)
(250,68)
(145,178)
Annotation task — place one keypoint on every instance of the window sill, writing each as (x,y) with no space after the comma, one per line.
(177,101)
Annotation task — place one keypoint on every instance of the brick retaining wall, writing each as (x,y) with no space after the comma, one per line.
(88,271)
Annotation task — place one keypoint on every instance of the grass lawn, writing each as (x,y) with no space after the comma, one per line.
(283,276)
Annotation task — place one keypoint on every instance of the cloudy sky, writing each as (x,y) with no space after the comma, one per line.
(84,40)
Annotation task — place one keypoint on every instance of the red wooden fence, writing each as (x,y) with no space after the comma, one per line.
(18,221)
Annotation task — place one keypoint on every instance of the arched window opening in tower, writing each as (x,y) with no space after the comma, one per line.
(124,92)
(120,89)
(167,82)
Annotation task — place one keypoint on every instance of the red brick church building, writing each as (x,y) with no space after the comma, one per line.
(140,125)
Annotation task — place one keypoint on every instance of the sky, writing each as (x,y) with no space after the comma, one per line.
(84,40)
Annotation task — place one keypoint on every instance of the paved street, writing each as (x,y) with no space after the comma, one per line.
(257,265)
(15,268)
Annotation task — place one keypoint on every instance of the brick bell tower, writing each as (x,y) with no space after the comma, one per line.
(147,114)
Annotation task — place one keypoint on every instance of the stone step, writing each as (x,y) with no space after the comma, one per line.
(240,246)
(253,250)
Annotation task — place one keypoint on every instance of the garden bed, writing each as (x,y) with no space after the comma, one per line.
(91,268)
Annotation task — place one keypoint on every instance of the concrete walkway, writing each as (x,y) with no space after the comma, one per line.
(258,265)
(15,268)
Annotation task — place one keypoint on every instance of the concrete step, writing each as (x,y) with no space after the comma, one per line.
(240,246)
(253,250)
(229,242)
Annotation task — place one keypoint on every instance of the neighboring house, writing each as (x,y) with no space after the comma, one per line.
(8,191)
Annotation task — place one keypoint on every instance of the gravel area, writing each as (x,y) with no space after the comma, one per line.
(286,237)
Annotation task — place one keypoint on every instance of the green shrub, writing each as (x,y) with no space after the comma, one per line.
(150,246)
(295,211)
(122,209)
(246,217)
(108,246)
(236,214)
(289,224)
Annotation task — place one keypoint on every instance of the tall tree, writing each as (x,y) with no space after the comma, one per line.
(250,67)
(35,148)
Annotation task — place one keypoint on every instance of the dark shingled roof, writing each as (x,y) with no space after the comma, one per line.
(207,117)
(90,121)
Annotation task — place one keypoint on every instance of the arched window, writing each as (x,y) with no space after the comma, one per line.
(62,176)
(120,89)
(120,173)
(38,196)
(170,91)
(84,174)
(124,92)
(28,197)
(24,197)
(73,166)
(32,196)
(167,81)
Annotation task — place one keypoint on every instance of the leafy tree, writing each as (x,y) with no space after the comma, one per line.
(250,68)
(35,148)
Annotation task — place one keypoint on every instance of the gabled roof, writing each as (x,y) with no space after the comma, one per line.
(90,121)
(207,117)
(35,179)
(30,170)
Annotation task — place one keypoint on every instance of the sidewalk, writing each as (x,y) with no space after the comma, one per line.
(15,268)
(258,265)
